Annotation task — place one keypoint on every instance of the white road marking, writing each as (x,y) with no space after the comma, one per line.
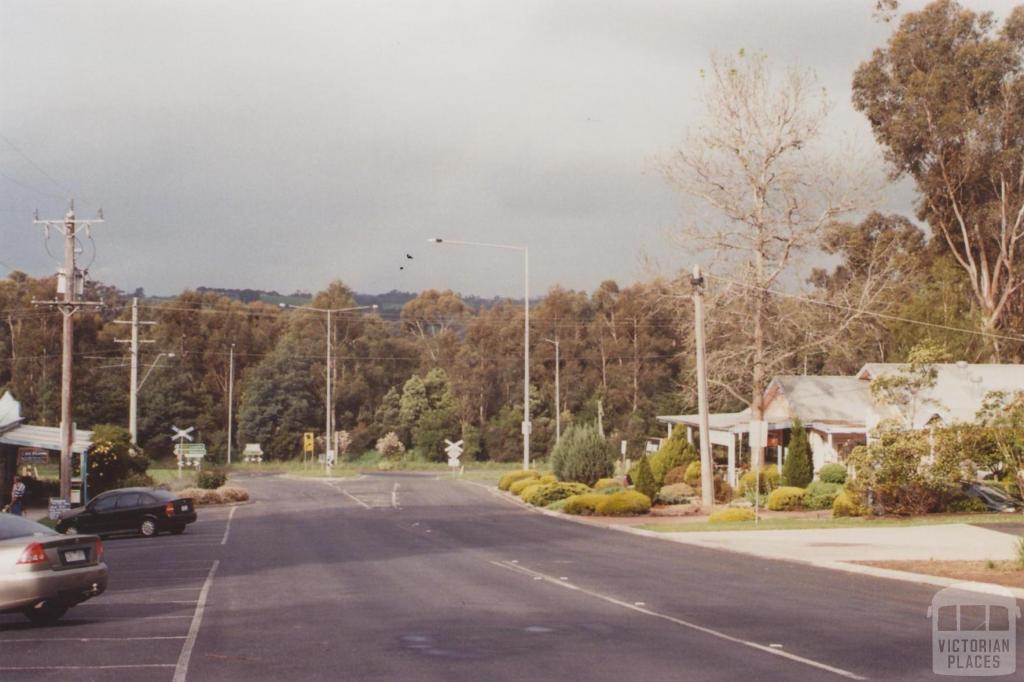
(89,639)
(348,494)
(17,668)
(227,529)
(181,669)
(678,621)
(150,590)
(141,603)
(394,496)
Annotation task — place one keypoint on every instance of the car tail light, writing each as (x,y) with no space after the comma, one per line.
(34,554)
(99,550)
(169,509)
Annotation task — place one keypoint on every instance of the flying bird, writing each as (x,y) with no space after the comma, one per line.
(408,256)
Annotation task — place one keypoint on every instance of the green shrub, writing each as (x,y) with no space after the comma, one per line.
(769,476)
(643,478)
(137,480)
(798,469)
(821,495)
(582,504)
(517,487)
(676,451)
(511,477)
(846,505)
(623,503)
(548,478)
(692,475)
(211,479)
(731,515)
(678,493)
(112,458)
(675,475)
(583,455)
(530,486)
(607,483)
(786,498)
(832,473)
(544,494)
(965,504)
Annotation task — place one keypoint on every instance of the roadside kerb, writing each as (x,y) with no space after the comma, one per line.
(859,569)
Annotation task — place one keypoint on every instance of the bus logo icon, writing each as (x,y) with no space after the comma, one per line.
(974,631)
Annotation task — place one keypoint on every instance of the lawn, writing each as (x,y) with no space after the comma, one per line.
(1006,573)
(840,522)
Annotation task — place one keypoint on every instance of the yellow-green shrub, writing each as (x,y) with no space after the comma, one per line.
(529,487)
(692,475)
(607,483)
(517,487)
(233,493)
(846,505)
(731,515)
(678,493)
(548,478)
(786,498)
(513,476)
(544,494)
(583,504)
(623,503)
(769,480)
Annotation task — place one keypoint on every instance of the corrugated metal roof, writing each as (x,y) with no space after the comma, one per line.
(46,437)
(824,398)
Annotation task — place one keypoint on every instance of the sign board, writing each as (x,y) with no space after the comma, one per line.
(758,433)
(308,442)
(652,445)
(57,506)
(454,451)
(252,453)
(33,456)
(190,450)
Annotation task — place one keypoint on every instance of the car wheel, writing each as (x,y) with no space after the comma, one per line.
(178,530)
(148,528)
(45,612)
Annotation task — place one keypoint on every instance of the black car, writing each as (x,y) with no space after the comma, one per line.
(147,511)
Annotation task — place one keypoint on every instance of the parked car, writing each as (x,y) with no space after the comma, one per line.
(995,499)
(147,511)
(43,573)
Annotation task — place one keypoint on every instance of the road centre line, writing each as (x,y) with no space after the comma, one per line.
(181,669)
(26,668)
(90,639)
(348,494)
(227,528)
(678,621)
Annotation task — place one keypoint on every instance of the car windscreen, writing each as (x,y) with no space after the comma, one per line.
(12,526)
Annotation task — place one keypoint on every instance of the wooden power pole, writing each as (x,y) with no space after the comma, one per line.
(72,281)
(133,393)
(707,483)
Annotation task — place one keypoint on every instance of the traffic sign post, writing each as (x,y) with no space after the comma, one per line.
(308,445)
(181,435)
(454,451)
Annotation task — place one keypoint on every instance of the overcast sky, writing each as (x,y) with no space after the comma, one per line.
(280,145)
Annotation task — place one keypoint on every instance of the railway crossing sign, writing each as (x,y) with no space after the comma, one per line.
(454,451)
(182,434)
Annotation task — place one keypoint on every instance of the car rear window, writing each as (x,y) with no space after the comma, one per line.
(164,495)
(12,526)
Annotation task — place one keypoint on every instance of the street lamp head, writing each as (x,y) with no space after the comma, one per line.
(374,306)
(435,240)
(282,305)
(171,355)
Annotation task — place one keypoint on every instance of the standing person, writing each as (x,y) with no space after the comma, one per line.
(18,497)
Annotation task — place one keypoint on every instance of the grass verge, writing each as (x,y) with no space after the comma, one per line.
(841,522)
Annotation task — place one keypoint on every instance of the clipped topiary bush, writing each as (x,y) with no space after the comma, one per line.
(846,505)
(643,478)
(585,504)
(517,487)
(676,451)
(211,479)
(583,455)
(821,495)
(679,493)
(607,483)
(623,503)
(832,473)
(731,515)
(530,486)
(786,498)
(692,475)
(511,477)
(544,494)
(548,478)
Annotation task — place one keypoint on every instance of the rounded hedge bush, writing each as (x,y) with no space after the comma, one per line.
(548,478)
(211,479)
(518,486)
(582,504)
(583,455)
(769,480)
(821,495)
(544,494)
(786,498)
(832,473)
(607,483)
(846,505)
(623,503)
(529,488)
(678,493)
(731,515)
(511,477)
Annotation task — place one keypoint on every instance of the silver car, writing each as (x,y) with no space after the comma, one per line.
(44,573)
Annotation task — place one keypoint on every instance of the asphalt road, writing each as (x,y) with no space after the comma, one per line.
(412,577)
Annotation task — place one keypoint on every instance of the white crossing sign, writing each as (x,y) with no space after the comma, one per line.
(182,434)
(454,451)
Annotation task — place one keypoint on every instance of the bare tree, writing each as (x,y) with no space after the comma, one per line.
(753,163)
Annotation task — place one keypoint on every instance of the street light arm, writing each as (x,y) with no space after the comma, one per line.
(438,240)
(151,368)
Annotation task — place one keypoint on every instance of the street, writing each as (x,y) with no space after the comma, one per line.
(418,577)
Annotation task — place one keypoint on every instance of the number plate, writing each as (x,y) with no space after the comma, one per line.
(74,555)
(184,507)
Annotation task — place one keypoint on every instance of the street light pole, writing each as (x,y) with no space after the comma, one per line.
(328,408)
(558,398)
(526,426)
